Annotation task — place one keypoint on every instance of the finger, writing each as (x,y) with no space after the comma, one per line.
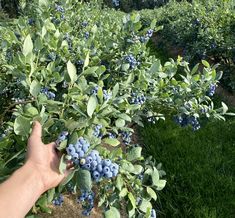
(67,172)
(52,146)
(70,165)
(36,133)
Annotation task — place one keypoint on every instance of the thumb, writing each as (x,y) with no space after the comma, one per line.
(36,133)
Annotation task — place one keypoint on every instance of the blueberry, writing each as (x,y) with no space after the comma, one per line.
(89,159)
(114,167)
(108,174)
(96,175)
(106,169)
(85,148)
(94,165)
(107,162)
(153,214)
(81,153)
(99,168)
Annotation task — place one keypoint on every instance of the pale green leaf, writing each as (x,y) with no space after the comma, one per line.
(28,46)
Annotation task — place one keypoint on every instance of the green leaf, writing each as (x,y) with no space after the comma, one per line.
(155,176)
(115,90)
(31,111)
(151,193)
(153,24)
(22,126)
(86,62)
(68,178)
(120,123)
(72,125)
(145,205)
(72,71)
(130,78)
(112,213)
(91,106)
(129,167)
(224,107)
(35,88)
(205,63)
(132,199)
(123,193)
(90,71)
(28,46)
(63,164)
(110,141)
(161,184)
(124,117)
(43,3)
(125,67)
(50,195)
(195,69)
(84,179)
(219,75)
(134,154)
(62,145)
(119,182)
(138,169)
(156,67)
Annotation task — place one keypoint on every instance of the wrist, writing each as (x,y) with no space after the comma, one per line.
(34,174)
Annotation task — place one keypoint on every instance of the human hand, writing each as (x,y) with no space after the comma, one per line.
(44,159)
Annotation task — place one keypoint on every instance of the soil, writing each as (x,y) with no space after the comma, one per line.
(69,209)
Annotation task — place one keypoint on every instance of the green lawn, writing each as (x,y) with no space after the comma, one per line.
(200,168)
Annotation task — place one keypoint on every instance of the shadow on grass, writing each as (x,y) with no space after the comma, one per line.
(200,168)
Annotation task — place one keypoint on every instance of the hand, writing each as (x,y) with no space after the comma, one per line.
(44,159)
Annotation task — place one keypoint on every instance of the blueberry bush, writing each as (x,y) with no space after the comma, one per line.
(86,74)
(198,30)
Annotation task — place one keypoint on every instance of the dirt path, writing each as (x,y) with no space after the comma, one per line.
(226,96)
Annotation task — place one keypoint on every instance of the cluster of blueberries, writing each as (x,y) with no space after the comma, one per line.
(52,56)
(130,59)
(152,120)
(97,133)
(9,55)
(93,162)
(116,3)
(184,120)
(86,35)
(7,131)
(126,137)
(69,41)
(61,10)
(211,90)
(106,94)
(87,200)
(58,201)
(197,22)
(84,24)
(31,21)
(147,36)
(137,99)
(79,63)
(112,135)
(49,94)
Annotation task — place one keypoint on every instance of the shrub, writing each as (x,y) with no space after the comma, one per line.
(87,76)
(200,30)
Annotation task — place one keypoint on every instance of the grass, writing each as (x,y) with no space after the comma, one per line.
(200,168)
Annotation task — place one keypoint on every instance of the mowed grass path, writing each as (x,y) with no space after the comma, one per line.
(200,168)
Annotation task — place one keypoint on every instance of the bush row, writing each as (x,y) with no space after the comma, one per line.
(198,31)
